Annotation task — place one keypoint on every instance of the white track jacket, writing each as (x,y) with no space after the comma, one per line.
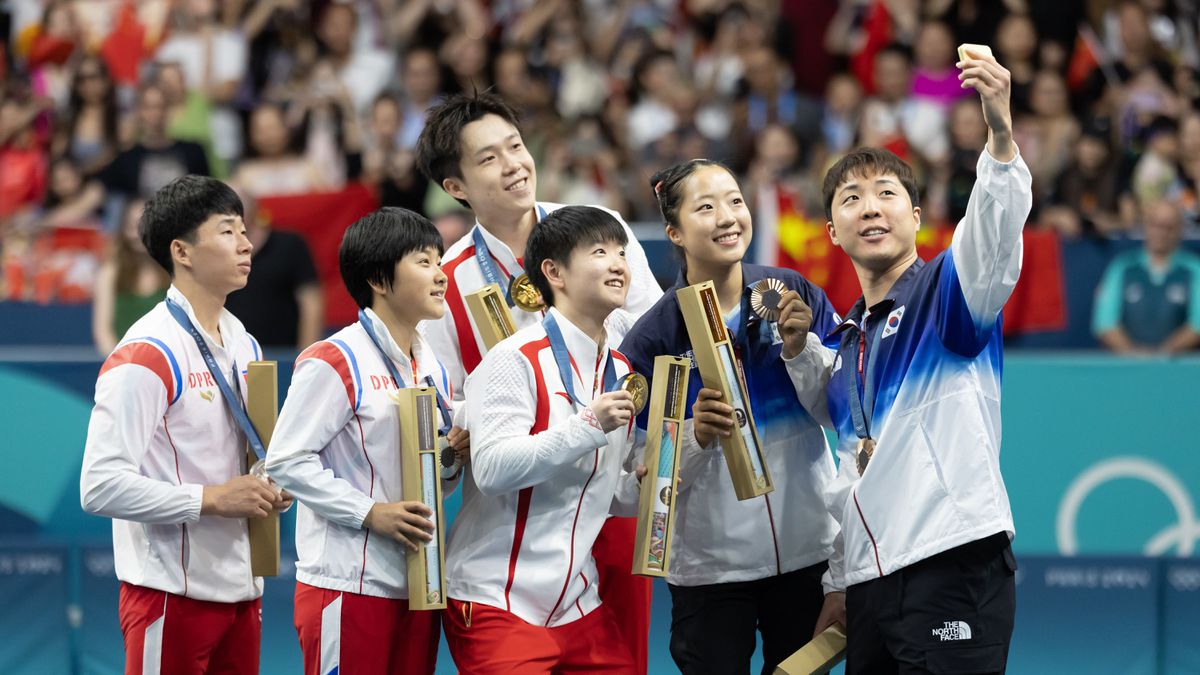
(159,433)
(542,480)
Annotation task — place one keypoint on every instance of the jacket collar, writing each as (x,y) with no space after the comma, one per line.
(231,329)
(583,350)
(855,316)
(427,364)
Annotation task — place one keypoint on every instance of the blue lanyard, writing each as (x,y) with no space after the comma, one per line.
(239,414)
(562,357)
(391,366)
(491,271)
(862,407)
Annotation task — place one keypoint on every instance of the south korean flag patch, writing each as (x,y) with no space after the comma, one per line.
(893,322)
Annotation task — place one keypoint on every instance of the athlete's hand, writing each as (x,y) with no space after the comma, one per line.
(612,410)
(460,441)
(284,500)
(795,318)
(406,522)
(985,75)
(832,612)
(242,497)
(711,417)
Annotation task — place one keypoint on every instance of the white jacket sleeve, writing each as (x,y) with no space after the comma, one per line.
(837,497)
(315,411)
(810,371)
(505,457)
(987,246)
(130,403)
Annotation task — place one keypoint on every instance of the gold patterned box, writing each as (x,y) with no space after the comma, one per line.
(664,430)
(421,481)
(721,370)
(491,315)
(262,406)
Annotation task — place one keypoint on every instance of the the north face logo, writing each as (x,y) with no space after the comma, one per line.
(953,630)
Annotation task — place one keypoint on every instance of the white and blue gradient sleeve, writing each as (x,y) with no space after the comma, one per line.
(985,254)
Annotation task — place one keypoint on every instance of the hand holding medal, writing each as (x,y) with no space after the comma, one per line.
(638,388)
(773,301)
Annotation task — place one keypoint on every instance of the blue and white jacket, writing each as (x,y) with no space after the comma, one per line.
(933,351)
(719,539)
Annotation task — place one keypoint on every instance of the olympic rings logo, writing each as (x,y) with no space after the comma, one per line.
(1183,535)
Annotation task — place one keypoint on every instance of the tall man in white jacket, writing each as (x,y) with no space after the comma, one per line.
(923,568)
(553,434)
(472,147)
(336,447)
(165,448)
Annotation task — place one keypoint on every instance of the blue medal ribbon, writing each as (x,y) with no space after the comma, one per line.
(234,405)
(862,406)
(391,366)
(562,358)
(491,270)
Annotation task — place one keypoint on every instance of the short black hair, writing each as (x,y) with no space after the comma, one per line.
(374,244)
(558,234)
(178,209)
(862,162)
(439,148)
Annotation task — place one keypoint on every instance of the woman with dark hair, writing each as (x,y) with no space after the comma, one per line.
(90,135)
(755,565)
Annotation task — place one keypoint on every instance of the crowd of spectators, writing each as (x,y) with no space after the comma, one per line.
(104,101)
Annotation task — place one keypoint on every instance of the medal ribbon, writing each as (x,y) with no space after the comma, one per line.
(234,405)
(395,372)
(862,406)
(490,268)
(562,358)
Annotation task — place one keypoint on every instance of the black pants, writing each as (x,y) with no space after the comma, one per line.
(951,613)
(712,627)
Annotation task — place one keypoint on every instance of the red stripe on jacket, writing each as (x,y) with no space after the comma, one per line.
(147,356)
(468,348)
(329,353)
(541,422)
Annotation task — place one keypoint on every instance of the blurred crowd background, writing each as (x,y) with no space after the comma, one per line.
(104,101)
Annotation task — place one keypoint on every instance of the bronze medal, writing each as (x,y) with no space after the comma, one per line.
(866,448)
(638,388)
(766,297)
(525,295)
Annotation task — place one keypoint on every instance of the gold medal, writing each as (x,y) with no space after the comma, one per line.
(635,384)
(766,297)
(866,448)
(525,295)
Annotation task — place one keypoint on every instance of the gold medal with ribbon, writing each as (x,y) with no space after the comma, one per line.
(525,295)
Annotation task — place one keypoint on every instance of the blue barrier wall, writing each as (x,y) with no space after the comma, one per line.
(1097,457)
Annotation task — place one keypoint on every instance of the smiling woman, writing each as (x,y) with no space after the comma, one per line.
(727,552)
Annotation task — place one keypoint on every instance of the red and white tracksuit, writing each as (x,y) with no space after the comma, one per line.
(542,481)
(336,448)
(160,431)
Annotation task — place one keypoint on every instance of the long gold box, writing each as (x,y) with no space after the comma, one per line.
(664,431)
(420,476)
(720,370)
(262,406)
(491,315)
(817,657)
